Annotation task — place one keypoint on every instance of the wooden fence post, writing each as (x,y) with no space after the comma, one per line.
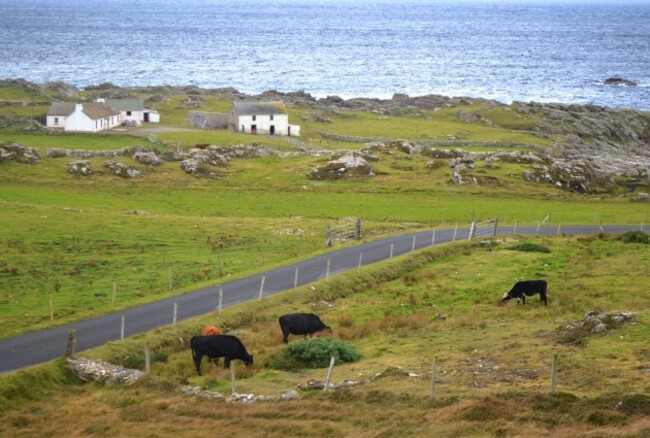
(170,278)
(554,374)
(71,345)
(327,273)
(220,299)
(175,313)
(147,359)
(220,267)
(360,260)
(432,391)
(295,279)
(514,231)
(114,293)
(433,237)
(413,244)
(455,230)
(232,377)
(391,250)
(122,329)
(329,374)
(262,287)
(357,229)
(51,309)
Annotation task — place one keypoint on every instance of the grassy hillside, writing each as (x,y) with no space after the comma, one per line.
(493,360)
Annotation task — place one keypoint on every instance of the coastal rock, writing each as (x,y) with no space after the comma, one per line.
(80,168)
(620,82)
(88,369)
(122,169)
(10,151)
(149,158)
(348,165)
(594,322)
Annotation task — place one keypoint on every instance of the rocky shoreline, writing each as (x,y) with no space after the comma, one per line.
(590,143)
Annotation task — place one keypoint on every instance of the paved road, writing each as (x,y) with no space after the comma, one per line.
(41,346)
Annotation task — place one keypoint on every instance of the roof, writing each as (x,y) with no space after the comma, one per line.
(134,104)
(259,108)
(61,109)
(95,110)
(98,110)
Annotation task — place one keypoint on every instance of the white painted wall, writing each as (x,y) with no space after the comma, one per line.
(264,123)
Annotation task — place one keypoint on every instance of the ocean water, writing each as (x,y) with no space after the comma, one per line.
(544,52)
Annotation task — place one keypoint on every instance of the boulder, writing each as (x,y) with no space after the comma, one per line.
(10,151)
(150,158)
(80,168)
(620,82)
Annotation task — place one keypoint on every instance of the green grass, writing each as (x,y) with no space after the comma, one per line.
(493,360)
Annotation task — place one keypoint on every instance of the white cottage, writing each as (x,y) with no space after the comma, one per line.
(133,111)
(82,117)
(268,118)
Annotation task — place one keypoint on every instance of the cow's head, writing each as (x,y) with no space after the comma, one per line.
(506,297)
(327,331)
(249,363)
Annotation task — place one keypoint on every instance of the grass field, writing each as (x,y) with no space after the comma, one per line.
(70,240)
(492,361)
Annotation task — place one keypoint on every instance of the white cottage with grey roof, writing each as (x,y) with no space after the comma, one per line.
(267,118)
(133,111)
(82,117)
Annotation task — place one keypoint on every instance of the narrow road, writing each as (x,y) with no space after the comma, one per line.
(44,345)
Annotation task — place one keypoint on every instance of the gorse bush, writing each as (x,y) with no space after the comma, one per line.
(314,353)
(529,247)
(635,237)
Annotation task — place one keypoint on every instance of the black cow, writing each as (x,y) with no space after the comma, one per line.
(301,324)
(215,346)
(521,289)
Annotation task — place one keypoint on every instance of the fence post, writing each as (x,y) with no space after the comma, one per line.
(147,359)
(496,225)
(432,392)
(455,230)
(170,278)
(220,299)
(122,329)
(327,272)
(413,244)
(114,293)
(357,229)
(329,374)
(514,231)
(433,237)
(295,279)
(472,230)
(262,287)
(554,374)
(51,309)
(558,229)
(71,345)
(328,235)
(232,377)
(391,250)
(175,313)
(220,267)
(538,225)
(360,260)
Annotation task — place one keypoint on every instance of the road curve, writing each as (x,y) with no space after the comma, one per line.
(44,345)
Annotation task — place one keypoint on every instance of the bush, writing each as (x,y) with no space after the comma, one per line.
(529,247)
(635,237)
(314,353)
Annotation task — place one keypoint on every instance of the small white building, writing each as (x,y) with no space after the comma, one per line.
(82,117)
(268,118)
(133,111)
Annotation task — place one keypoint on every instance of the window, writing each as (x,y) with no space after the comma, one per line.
(254,118)
(271,116)
(56,120)
(128,113)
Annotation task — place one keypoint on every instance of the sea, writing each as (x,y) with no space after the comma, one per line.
(542,51)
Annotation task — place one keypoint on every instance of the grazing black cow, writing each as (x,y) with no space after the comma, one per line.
(306,324)
(521,289)
(215,346)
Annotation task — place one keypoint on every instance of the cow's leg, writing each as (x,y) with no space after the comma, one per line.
(523,299)
(226,362)
(197,362)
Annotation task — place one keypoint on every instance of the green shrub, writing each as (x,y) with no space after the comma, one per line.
(529,247)
(314,353)
(635,237)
